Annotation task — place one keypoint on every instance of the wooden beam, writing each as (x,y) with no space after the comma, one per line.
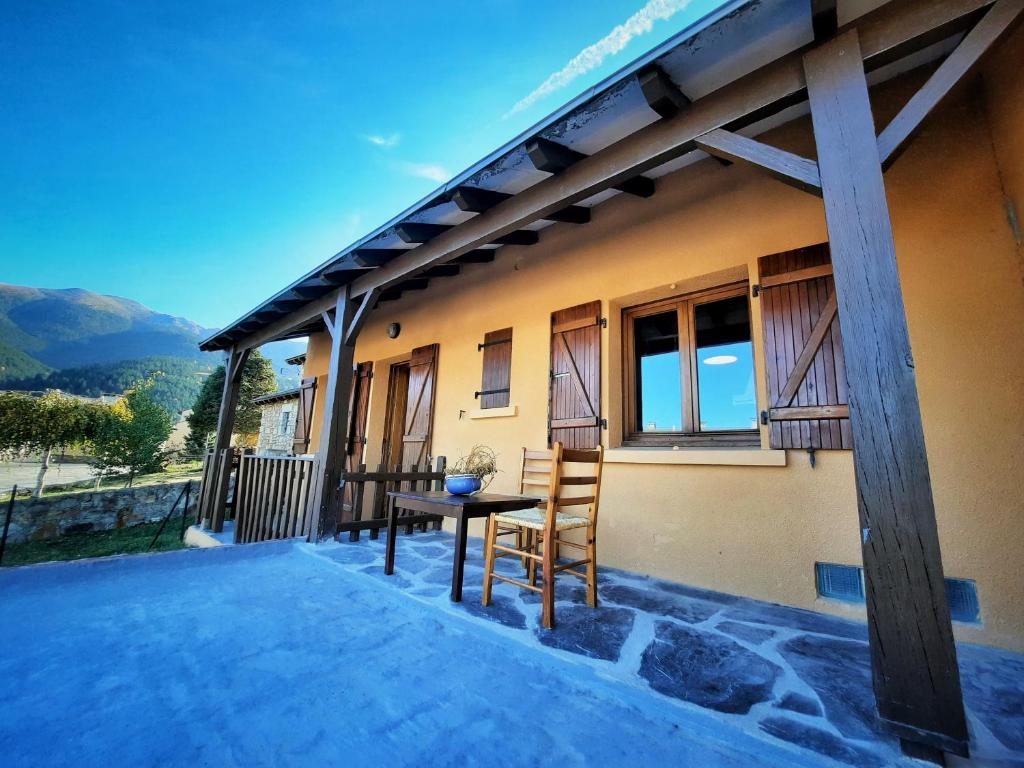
(519,237)
(375,257)
(480,256)
(993,25)
(824,19)
(413,284)
(478,200)
(417,232)
(916,679)
(894,27)
(367,304)
(550,157)
(788,168)
(325,498)
(313,288)
(660,92)
(234,366)
(442,270)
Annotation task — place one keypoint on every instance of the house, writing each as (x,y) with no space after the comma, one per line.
(716,263)
(285,417)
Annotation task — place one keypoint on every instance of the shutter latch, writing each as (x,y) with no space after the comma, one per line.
(604,423)
(755,290)
(603,322)
(764,417)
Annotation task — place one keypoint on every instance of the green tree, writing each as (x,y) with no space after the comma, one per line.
(132,435)
(257,379)
(54,421)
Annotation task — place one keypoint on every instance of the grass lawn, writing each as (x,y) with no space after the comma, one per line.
(119,541)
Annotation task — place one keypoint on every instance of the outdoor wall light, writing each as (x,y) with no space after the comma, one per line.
(393,330)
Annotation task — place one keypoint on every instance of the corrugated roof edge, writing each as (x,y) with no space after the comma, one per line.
(683,36)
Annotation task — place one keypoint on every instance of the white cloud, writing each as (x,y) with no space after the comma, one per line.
(386,142)
(594,55)
(431,171)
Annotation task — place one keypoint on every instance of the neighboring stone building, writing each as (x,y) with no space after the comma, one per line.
(277,424)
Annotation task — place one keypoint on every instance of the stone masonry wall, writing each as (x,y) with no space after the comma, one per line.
(273,438)
(53,516)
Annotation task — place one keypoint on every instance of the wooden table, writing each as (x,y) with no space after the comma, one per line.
(462,508)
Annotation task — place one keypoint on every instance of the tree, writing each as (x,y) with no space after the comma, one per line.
(257,379)
(132,434)
(44,424)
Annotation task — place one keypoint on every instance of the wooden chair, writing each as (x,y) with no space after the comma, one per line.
(541,527)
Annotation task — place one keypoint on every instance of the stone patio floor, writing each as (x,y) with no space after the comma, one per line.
(789,674)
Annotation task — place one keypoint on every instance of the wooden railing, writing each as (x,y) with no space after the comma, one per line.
(411,478)
(272,497)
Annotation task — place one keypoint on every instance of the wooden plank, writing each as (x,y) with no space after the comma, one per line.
(810,412)
(996,21)
(791,169)
(806,273)
(807,354)
(916,678)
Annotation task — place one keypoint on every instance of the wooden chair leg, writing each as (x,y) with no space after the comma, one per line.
(592,567)
(548,587)
(522,537)
(531,565)
(490,535)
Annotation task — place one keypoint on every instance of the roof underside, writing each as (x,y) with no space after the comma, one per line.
(738,38)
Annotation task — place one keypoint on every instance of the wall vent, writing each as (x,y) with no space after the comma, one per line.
(840,582)
(962,596)
(846,583)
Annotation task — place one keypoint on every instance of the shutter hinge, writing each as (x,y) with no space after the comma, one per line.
(604,423)
(755,290)
(764,417)
(603,322)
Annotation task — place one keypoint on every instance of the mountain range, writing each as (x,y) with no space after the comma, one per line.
(88,343)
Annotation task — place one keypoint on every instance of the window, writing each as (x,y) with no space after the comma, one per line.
(497,369)
(690,371)
(286,420)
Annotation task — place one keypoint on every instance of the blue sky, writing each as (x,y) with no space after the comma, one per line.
(197,157)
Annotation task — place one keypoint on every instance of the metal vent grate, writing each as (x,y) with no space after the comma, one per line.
(840,582)
(962,596)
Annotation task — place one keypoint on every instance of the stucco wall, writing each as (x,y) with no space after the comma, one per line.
(758,530)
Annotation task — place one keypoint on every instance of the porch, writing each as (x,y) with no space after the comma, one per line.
(660,673)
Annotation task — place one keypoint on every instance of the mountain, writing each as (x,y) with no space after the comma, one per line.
(71,327)
(89,344)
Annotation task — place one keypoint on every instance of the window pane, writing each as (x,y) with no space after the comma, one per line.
(658,386)
(725,365)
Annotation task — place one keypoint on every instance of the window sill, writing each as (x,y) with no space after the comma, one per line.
(742,457)
(494,413)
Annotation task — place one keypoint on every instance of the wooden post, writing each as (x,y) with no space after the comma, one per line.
(233,368)
(916,679)
(326,497)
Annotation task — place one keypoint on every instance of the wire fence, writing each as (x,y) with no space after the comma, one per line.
(81,540)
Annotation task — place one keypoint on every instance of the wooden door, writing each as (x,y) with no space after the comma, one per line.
(359,406)
(419,408)
(304,418)
(574,408)
(394,418)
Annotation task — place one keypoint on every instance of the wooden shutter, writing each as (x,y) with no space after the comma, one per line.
(304,418)
(419,407)
(574,409)
(807,386)
(497,376)
(359,406)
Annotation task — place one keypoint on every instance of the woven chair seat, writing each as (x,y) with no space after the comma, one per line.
(535,519)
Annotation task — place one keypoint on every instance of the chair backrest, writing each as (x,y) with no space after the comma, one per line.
(564,490)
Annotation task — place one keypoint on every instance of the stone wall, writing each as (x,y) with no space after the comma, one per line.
(53,516)
(277,431)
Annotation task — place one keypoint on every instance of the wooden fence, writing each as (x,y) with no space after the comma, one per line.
(410,478)
(213,489)
(272,497)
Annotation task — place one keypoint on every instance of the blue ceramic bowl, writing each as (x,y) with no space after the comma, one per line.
(462,485)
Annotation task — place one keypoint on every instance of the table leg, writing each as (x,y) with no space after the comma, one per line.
(389,556)
(460,556)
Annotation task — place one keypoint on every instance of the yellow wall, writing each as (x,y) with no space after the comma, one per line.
(758,530)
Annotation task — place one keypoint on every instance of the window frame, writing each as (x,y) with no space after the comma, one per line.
(691,435)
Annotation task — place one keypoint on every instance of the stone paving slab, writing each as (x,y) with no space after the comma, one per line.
(789,674)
